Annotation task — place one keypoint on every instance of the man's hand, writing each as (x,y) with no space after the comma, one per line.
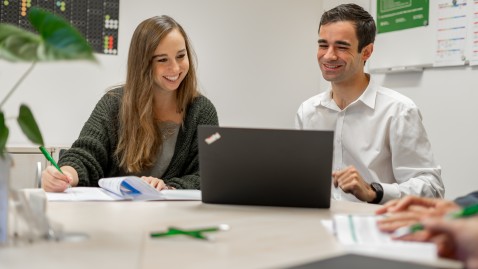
(350,181)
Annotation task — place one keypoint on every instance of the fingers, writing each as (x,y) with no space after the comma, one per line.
(334,180)
(446,246)
(439,225)
(155,183)
(339,173)
(397,220)
(410,200)
(446,206)
(442,237)
(54,181)
(347,178)
(419,236)
(350,181)
(386,207)
(405,203)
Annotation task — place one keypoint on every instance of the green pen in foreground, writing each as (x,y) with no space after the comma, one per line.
(463,213)
(197,233)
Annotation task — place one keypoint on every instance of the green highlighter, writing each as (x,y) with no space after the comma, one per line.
(463,213)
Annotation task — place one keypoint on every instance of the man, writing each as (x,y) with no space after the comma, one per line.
(381,149)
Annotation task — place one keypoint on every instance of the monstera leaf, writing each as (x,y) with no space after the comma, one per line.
(56,40)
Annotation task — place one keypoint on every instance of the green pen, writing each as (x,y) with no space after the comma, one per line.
(48,157)
(462,213)
(465,212)
(52,161)
(402,231)
(196,233)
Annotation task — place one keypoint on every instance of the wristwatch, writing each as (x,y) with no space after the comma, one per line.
(378,190)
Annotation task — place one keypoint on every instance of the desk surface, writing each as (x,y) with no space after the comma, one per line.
(260,237)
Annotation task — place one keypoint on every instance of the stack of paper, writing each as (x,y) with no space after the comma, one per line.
(359,233)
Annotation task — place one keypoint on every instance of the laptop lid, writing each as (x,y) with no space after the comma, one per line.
(360,261)
(269,167)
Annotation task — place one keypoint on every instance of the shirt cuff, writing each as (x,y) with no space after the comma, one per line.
(390,192)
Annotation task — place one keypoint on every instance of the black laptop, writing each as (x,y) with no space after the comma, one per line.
(269,167)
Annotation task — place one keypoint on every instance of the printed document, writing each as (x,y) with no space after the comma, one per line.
(359,233)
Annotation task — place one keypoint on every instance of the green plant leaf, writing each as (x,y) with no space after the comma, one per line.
(3,134)
(62,40)
(57,40)
(17,44)
(29,126)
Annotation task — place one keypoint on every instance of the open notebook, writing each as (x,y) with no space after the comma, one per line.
(122,188)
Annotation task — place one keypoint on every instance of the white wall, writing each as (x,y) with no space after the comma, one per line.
(256,63)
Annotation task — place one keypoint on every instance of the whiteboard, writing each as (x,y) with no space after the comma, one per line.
(404,49)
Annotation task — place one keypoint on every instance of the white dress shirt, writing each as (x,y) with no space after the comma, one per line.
(382,135)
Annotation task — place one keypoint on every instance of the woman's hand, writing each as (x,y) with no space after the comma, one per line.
(156,183)
(54,181)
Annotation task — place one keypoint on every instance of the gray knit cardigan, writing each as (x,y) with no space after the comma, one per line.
(92,154)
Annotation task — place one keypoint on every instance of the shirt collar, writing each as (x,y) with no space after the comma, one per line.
(369,95)
(324,99)
(367,98)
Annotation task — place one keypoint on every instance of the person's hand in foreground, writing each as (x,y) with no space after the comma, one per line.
(412,209)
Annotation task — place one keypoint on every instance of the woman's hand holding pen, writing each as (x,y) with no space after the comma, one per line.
(55,181)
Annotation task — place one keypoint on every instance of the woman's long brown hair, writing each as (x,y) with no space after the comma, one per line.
(139,137)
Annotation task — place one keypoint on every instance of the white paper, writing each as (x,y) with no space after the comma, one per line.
(194,195)
(452,28)
(99,194)
(359,233)
(82,194)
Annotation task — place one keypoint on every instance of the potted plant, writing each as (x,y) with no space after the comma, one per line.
(56,40)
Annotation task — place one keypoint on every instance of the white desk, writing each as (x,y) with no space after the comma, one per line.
(260,237)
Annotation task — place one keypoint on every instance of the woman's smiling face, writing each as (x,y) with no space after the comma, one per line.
(170,62)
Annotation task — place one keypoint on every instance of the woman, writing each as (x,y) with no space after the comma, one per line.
(147,127)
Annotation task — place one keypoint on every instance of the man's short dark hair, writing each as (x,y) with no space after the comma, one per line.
(365,28)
